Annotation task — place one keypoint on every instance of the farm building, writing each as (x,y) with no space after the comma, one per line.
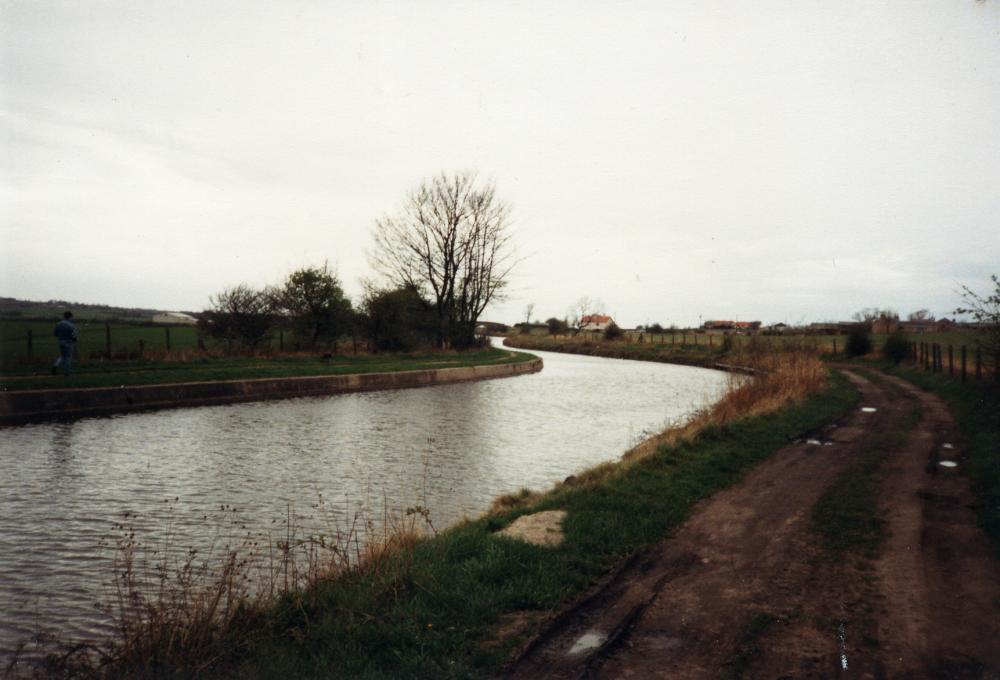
(595,322)
(744,326)
(175,318)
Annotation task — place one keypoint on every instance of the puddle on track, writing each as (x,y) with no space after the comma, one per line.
(587,642)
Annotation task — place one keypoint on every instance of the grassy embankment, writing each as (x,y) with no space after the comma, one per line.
(456,603)
(689,353)
(117,373)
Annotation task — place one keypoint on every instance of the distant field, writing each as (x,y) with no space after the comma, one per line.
(824,343)
(93,341)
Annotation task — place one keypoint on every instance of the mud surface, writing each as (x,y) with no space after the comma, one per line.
(745,588)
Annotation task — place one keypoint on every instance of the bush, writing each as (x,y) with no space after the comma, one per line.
(896,348)
(399,319)
(613,332)
(859,342)
(557,326)
(241,316)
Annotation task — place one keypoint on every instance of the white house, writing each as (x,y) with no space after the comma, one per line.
(595,322)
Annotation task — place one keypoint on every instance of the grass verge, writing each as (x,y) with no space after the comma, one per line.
(693,355)
(115,374)
(846,517)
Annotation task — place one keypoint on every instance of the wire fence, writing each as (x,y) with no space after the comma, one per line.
(32,342)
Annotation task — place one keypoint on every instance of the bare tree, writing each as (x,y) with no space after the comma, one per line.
(529,308)
(985,310)
(451,239)
(869,315)
(585,306)
(920,315)
(239,315)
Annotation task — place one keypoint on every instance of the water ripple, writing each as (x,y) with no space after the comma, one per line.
(178,473)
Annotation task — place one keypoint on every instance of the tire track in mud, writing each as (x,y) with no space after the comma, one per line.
(743,589)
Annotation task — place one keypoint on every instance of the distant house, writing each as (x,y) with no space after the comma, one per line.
(741,326)
(888,324)
(175,318)
(827,327)
(595,322)
(718,325)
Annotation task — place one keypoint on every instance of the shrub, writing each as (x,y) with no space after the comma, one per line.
(613,332)
(896,348)
(399,319)
(859,342)
(557,326)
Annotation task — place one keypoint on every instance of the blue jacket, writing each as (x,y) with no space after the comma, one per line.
(65,331)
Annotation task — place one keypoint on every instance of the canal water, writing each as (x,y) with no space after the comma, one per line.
(195,477)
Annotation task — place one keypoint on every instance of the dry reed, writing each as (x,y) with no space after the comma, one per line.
(769,380)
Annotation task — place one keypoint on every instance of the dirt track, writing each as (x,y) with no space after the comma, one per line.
(744,589)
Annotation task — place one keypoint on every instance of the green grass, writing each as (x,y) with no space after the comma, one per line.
(847,517)
(92,344)
(431,612)
(125,339)
(976,407)
(116,373)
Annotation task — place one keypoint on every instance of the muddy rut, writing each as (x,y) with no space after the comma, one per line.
(745,589)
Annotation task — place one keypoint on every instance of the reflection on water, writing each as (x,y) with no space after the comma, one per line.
(65,485)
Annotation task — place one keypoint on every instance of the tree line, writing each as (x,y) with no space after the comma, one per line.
(441,260)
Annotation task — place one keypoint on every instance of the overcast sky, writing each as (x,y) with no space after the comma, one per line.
(774,160)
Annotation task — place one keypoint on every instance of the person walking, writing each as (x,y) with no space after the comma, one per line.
(65,333)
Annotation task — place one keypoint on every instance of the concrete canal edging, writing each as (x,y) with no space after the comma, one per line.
(34,405)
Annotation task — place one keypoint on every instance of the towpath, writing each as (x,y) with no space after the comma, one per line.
(746,588)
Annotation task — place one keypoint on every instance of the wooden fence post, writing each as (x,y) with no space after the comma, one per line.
(963,363)
(31,345)
(166,330)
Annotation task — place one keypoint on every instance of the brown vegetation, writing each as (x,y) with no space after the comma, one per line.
(777,379)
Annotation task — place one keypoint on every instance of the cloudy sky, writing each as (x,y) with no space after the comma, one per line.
(775,160)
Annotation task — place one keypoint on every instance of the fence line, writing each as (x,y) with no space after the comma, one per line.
(931,356)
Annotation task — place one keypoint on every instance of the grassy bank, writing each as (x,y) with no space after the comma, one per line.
(976,407)
(690,354)
(455,604)
(117,373)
